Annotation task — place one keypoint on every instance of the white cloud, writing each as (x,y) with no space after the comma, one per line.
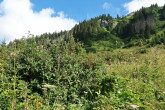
(106,6)
(135,5)
(17,17)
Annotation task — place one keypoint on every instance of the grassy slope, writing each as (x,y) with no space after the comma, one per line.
(145,71)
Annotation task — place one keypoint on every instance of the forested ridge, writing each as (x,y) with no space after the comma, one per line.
(101,33)
(102,63)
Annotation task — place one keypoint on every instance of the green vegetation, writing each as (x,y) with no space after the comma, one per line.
(103,64)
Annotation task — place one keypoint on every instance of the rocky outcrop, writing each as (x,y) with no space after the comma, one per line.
(104,23)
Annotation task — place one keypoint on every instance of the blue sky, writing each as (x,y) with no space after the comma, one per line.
(83,9)
(17,17)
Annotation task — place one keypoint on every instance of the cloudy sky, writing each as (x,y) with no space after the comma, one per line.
(17,17)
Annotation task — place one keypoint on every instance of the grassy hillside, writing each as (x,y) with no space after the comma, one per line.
(64,76)
(104,64)
(140,77)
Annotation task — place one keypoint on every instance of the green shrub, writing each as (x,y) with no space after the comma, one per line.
(59,72)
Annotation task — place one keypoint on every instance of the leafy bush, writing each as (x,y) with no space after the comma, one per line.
(59,72)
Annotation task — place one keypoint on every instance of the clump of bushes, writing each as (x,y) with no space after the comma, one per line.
(50,75)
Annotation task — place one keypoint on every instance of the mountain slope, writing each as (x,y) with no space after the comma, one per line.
(107,33)
(55,70)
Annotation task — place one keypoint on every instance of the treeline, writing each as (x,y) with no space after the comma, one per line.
(90,30)
(142,24)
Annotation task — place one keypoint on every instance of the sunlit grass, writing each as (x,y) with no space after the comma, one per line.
(146,72)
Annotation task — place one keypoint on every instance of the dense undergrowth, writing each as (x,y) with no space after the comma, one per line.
(61,75)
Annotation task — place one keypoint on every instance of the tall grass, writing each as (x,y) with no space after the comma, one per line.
(144,72)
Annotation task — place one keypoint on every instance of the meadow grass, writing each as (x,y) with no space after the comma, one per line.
(144,70)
